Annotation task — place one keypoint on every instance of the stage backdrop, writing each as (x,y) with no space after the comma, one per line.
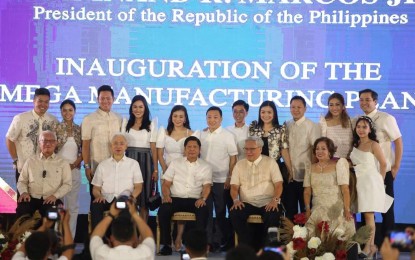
(201,53)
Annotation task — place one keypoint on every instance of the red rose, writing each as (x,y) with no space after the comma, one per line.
(299,243)
(341,255)
(300,219)
(323,226)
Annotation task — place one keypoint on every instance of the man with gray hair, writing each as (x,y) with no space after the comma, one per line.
(256,188)
(45,178)
(114,176)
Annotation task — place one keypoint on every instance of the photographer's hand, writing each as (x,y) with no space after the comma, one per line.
(114,211)
(387,251)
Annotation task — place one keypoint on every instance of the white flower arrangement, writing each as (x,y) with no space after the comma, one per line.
(300,231)
(314,243)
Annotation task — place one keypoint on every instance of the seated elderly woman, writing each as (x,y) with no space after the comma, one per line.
(328,182)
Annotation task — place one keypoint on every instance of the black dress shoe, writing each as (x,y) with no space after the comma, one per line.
(166,250)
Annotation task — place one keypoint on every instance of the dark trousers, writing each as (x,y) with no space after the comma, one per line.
(28,208)
(240,216)
(167,210)
(292,195)
(218,200)
(388,218)
(97,212)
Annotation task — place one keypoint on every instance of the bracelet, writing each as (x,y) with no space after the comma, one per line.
(202,198)
(235,200)
(87,166)
(278,200)
(307,207)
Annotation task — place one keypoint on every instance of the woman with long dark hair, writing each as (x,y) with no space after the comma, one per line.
(371,196)
(142,137)
(337,126)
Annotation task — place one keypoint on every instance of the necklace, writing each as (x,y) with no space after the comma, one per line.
(322,166)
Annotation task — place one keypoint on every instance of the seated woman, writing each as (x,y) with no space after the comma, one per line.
(328,182)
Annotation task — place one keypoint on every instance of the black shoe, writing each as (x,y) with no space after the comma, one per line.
(166,250)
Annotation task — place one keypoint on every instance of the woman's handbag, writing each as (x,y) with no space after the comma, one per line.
(154,201)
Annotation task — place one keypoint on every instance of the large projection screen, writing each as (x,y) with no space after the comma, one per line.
(201,53)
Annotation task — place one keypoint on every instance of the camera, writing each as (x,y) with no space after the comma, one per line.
(52,213)
(121,202)
(400,240)
(273,237)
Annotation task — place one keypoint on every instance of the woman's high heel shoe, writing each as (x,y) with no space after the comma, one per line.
(373,252)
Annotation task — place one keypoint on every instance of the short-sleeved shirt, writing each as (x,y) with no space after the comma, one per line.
(240,133)
(301,136)
(217,147)
(19,255)
(42,177)
(99,127)
(141,138)
(24,133)
(99,250)
(115,177)
(387,131)
(187,177)
(256,180)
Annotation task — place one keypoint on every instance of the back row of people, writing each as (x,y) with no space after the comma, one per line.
(289,144)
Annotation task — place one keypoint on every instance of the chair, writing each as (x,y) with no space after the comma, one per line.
(178,216)
(252,219)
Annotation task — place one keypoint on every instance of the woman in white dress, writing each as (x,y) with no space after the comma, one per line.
(69,148)
(366,155)
(337,126)
(170,146)
(142,137)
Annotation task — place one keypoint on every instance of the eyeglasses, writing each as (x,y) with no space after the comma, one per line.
(250,149)
(48,141)
(44,174)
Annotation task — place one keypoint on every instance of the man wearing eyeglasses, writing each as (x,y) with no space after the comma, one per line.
(45,178)
(256,188)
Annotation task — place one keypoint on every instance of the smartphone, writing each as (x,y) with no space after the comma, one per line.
(121,205)
(185,256)
(277,250)
(400,239)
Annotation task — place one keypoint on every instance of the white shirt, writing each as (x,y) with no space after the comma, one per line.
(57,180)
(240,133)
(141,138)
(187,177)
(99,127)
(341,137)
(217,147)
(115,177)
(301,136)
(144,251)
(24,133)
(256,180)
(387,131)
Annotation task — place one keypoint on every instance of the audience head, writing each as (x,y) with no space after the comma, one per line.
(364,127)
(122,228)
(297,107)
(253,148)
(271,254)
(37,245)
(41,101)
(268,114)
(196,243)
(214,118)
(239,111)
(139,112)
(105,98)
(368,100)
(337,108)
(241,252)
(192,146)
(119,144)
(324,148)
(178,117)
(47,142)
